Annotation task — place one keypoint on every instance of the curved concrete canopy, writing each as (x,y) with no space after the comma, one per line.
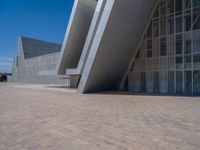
(115,41)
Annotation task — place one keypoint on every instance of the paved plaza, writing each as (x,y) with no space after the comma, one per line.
(35,117)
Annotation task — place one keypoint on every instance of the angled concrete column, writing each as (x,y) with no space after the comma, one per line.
(76,34)
(115,41)
(76,73)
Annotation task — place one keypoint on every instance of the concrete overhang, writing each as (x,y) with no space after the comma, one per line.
(89,40)
(117,35)
(77,30)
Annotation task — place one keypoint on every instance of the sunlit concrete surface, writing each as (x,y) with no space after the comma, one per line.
(33,57)
(40,117)
(76,33)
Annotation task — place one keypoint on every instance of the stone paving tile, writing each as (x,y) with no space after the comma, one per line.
(39,118)
(2,146)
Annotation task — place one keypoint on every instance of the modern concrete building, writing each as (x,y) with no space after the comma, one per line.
(168,54)
(137,45)
(34,56)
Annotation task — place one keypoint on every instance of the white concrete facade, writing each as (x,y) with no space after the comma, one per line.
(167,59)
(114,31)
(117,35)
(132,45)
(26,70)
(76,33)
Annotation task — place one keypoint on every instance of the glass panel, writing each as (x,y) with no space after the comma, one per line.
(196,58)
(149,48)
(196,82)
(188,59)
(163,8)
(179,82)
(188,22)
(196,3)
(179,24)
(187,4)
(149,44)
(179,44)
(170,45)
(149,31)
(156,14)
(170,25)
(196,41)
(163,26)
(156,47)
(163,47)
(156,82)
(143,82)
(188,82)
(170,6)
(178,4)
(149,53)
(179,60)
(171,81)
(196,19)
(188,45)
(156,28)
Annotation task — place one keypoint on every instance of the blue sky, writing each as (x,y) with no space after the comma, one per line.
(41,19)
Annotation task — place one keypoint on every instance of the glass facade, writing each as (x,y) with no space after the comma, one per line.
(168,58)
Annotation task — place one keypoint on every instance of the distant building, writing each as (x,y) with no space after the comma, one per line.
(148,46)
(34,56)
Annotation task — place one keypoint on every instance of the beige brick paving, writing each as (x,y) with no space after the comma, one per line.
(42,118)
